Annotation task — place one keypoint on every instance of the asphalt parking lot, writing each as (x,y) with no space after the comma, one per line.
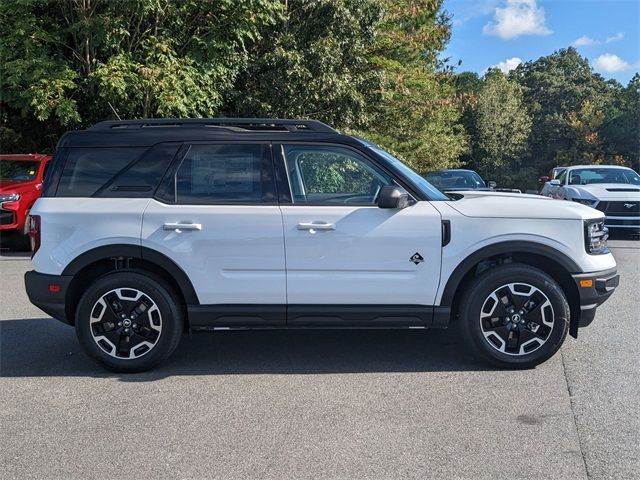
(320,404)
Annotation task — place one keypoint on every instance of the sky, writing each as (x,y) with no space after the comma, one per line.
(503,33)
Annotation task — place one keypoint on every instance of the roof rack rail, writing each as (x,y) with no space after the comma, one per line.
(237,124)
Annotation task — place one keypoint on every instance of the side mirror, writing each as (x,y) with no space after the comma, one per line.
(555,182)
(492,184)
(391,196)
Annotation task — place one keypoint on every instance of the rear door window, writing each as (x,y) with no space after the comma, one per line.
(88,169)
(225,174)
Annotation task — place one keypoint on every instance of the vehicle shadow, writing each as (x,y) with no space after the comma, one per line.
(45,347)
(5,252)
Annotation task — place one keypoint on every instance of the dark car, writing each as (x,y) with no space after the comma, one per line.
(458,180)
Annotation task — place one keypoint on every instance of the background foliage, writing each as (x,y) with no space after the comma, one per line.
(367,67)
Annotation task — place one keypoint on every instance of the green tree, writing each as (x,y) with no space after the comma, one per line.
(418,117)
(557,90)
(312,64)
(620,130)
(419,120)
(500,127)
(65,63)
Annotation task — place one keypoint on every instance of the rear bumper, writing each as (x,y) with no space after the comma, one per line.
(48,293)
(594,289)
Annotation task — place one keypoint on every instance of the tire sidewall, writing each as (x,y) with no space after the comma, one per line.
(166,302)
(487,283)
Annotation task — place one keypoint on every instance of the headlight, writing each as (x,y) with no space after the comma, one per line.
(595,236)
(589,202)
(10,197)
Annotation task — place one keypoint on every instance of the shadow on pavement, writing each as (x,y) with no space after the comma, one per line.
(45,347)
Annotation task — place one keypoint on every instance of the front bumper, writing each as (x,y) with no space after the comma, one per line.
(8,220)
(12,216)
(48,293)
(594,289)
(622,222)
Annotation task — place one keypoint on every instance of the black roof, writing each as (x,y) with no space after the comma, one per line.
(146,132)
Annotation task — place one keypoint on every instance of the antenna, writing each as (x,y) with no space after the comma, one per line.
(114,111)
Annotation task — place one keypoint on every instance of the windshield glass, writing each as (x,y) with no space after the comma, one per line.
(18,170)
(587,176)
(422,184)
(456,179)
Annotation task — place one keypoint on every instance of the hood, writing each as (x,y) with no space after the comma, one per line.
(608,191)
(470,189)
(519,205)
(10,186)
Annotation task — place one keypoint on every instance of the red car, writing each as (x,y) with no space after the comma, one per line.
(553,173)
(21,179)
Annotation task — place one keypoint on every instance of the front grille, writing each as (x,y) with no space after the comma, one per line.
(622,223)
(620,209)
(6,217)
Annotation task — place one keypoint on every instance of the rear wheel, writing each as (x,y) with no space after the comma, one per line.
(129,322)
(515,316)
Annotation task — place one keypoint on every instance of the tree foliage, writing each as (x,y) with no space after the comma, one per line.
(562,94)
(418,116)
(575,117)
(369,67)
(312,63)
(69,63)
(500,127)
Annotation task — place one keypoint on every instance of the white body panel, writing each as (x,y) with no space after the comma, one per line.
(237,255)
(366,259)
(519,206)
(72,226)
(609,192)
(469,234)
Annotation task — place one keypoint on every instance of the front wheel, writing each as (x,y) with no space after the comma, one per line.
(129,322)
(514,316)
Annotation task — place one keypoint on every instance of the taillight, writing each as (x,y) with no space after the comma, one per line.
(34,233)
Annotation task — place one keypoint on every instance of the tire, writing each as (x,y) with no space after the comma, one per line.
(129,305)
(21,242)
(14,240)
(503,328)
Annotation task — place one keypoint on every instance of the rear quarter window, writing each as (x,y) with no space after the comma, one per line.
(87,170)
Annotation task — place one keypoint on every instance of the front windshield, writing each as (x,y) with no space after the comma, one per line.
(423,185)
(456,179)
(588,176)
(18,170)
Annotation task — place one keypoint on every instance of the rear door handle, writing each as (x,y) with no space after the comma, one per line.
(179,227)
(313,226)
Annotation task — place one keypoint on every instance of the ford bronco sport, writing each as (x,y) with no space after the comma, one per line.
(150,228)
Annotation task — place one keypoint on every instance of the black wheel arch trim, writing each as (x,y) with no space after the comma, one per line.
(503,248)
(136,252)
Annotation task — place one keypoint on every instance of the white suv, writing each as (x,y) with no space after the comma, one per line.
(150,228)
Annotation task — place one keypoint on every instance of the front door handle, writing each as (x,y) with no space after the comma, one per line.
(179,227)
(314,226)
